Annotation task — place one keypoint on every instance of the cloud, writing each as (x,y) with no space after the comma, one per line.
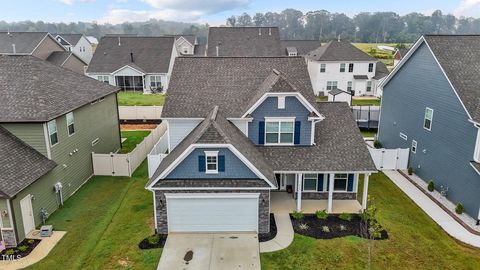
(468,8)
(71,2)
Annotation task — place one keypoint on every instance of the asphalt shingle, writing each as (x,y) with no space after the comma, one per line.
(25,42)
(339,51)
(302,46)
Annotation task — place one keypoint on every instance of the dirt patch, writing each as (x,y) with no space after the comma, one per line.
(264,237)
(124,127)
(22,250)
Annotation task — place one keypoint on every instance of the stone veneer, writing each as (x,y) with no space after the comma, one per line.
(324,195)
(263,207)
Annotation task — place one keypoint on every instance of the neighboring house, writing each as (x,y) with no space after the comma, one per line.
(78,44)
(431,104)
(186,44)
(244,41)
(243,132)
(41,45)
(134,63)
(298,47)
(398,56)
(51,120)
(339,64)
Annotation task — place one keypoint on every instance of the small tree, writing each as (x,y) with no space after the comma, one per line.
(431,186)
(369,227)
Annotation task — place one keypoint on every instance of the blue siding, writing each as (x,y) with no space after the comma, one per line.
(269,108)
(443,154)
(189,167)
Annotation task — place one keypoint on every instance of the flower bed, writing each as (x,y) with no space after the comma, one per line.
(22,250)
(331,227)
(154,241)
(264,237)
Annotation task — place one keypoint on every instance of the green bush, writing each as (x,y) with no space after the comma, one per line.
(345,216)
(297,215)
(410,170)
(377,144)
(22,248)
(321,214)
(431,186)
(303,227)
(30,241)
(459,208)
(154,239)
(10,251)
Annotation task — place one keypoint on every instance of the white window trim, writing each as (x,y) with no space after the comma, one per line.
(346,183)
(425,118)
(476,154)
(324,68)
(279,119)
(344,65)
(316,183)
(73,123)
(403,136)
(413,148)
(211,154)
(332,84)
(49,133)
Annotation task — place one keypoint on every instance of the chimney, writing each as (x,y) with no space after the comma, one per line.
(259,31)
(269,31)
(131,57)
(14,49)
(119,41)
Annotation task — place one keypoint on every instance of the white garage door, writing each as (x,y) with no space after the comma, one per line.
(212,212)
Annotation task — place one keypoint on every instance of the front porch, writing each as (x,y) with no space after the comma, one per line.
(282,202)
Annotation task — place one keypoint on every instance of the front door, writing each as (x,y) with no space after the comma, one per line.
(283,182)
(27,214)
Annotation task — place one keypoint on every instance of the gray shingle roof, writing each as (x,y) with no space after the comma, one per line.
(33,90)
(20,165)
(302,46)
(360,77)
(476,165)
(198,84)
(25,42)
(459,56)
(151,54)
(339,51)
(381,71)
(58,58)
(244,41)
(70,38)
(403,52)
(339,146)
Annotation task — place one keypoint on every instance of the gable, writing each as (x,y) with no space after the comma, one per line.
(128,71)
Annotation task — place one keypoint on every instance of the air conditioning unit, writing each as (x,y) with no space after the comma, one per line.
(46,231)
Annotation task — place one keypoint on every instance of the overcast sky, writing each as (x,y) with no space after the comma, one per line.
(212,11)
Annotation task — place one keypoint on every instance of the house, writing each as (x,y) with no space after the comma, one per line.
(41,45)
(244,41)
(398,55)
(298,47)
(78,44)
(339,64)
(134,63)
(186,44)
(245,135)
(431,104)
(51,120)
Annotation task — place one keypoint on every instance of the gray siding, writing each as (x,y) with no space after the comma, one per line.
(234,167)
(179,129)
(293,108)
(31,133)
(443,154)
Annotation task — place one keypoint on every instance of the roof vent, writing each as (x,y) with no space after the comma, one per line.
(131,57)
(14,49)
(217,48)
(269,31)
(119,41)
(276,71)
(214,114)
(259,31)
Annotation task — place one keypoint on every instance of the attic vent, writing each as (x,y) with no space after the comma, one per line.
(276,72)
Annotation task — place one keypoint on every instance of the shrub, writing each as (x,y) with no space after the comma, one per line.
(30,241)
(321,214)
(22,248)
(154,239)
(325,229)
(345,216)
(431,186)
(297,215)
(10,251)
(343,228)
(410,170)
(459,208)
(303,227)
(377,144)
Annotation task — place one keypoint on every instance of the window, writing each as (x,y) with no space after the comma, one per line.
(342,67)
(323,68)
(369,86)
(427,123)
(370,67)
(331,85)
(104,78)
(279,132)
(350,86)
(414,146)
(155,82)
(281,102)
(211,163)
(476,154)
(340,183)
(310,182)
(52,132)
(403,136)
(70,123)
(350,67)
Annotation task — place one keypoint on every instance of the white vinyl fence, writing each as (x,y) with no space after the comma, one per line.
(125,164)
(390,159)
(140,112)
(158,153)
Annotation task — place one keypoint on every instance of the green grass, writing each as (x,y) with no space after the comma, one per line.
(132,139)
(368,133)
(416,241)
(139,99)
(321,98)
(374,102)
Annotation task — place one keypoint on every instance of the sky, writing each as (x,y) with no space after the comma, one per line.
(213,12)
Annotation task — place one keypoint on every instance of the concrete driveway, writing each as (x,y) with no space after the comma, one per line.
(186,251)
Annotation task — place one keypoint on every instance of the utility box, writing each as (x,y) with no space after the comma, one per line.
(46,230)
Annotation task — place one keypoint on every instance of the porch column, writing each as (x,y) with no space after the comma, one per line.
(299,192)
(330,193)
(365,191)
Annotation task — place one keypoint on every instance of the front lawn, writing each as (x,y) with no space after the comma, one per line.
(415,241)
(372,102)
(132,139)
(139,99)
(369,133)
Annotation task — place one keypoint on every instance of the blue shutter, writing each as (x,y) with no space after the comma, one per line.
(297,132)
(350,182)
(320,182)
(201,163)
(328,182)
(221,163)
(261,132)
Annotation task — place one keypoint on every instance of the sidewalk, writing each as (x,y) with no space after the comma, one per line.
(450,225)
(284,235)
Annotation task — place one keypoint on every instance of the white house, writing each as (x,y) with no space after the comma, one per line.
(340,65)
(78,44)
(134,63)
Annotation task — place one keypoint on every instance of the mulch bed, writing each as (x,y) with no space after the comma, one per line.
(20,254)
(333,222)
(144,244)
(264,237)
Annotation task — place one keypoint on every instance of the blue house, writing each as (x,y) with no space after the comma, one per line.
(431,104)
(246,137)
